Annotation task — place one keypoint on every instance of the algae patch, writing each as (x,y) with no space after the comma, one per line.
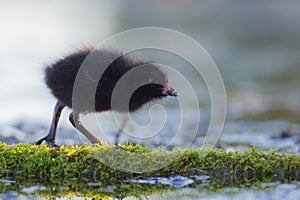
(108,163)
(83,170)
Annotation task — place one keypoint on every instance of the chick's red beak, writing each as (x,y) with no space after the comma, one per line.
(168,91)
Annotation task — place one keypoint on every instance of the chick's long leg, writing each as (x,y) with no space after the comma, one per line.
(75,121)
(50,138)
(118,134)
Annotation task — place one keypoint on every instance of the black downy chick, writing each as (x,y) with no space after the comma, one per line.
(146,83)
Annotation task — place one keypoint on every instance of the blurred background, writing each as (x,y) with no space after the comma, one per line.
(255,44)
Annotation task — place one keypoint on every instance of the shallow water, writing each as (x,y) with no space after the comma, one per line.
(256,46)
(196,187)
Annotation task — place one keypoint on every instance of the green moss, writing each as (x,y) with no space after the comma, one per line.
(109,166)
(132,161)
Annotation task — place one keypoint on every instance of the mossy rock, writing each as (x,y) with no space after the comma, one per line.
(132,161)
(109,165)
